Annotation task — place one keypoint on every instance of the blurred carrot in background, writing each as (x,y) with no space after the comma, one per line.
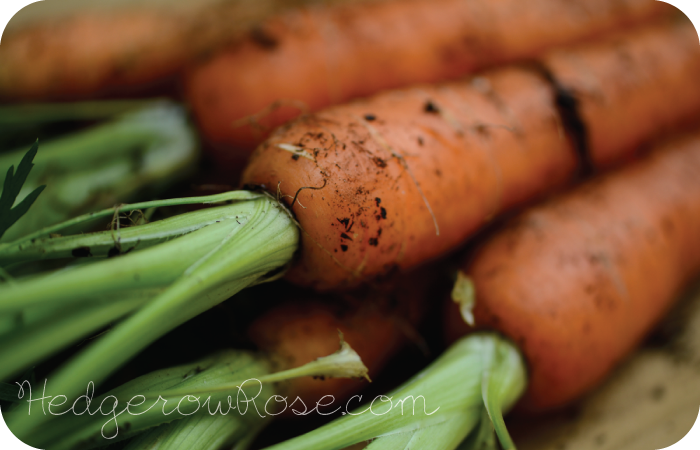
(311,58)
(87,52)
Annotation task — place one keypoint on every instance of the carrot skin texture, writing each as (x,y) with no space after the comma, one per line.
(325,56)
(370,217)
(468,150)
(578,281)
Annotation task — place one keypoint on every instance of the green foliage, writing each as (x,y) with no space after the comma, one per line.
(13,186)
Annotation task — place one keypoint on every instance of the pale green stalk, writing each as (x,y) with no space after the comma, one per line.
(226,197)
(482,437)
(214,432)
(344,363)
(437,408)
(196,271)
(444,435)
(97,429)
(30,344)
(153,267)
(100,243)
(200,432)
(227,418)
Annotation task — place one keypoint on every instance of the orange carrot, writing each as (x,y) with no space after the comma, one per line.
(377,179)
(91,55)
(313,58)
(377,322)
(119,51)
(577,282)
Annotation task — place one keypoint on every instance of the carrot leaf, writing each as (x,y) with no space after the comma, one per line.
(11,190)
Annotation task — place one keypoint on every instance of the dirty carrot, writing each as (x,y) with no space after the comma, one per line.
(385,183)
(577,282)
(574,283)
(312,58)
(400,178)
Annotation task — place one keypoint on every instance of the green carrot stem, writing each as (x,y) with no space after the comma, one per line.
(446,394)
(92,430)
(154,267)
(102,243)
(225,197)
(235,255)
(32,343)
(444,435)
(345,363)
(221,420)
(496,385)
(197,432)
(212,432)
(483,437)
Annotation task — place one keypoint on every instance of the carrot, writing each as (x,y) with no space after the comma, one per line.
(375,185)
(579,281)
(309,59)
(383,175)
(574,283)
(119,51)
(300,332)
(84,56)
(376,322)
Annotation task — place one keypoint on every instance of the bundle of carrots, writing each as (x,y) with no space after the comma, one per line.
(354,192)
